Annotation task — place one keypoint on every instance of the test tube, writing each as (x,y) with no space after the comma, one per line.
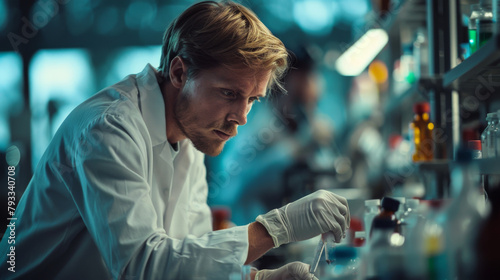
(317,256)
(329,246)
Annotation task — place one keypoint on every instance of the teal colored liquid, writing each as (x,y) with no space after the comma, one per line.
(472,40)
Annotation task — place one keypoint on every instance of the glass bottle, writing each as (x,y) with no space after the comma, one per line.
(410,217)
(475,14)
(421,130)
(491,136)
(485,23)
(384,258)
(388,212)
(464,212)
(401,209)
(484,135)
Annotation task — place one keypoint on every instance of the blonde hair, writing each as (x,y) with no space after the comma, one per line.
(211,34)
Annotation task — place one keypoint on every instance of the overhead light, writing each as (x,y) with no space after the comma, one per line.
(353,61)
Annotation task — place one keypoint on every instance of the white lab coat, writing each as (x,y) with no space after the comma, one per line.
(111,198)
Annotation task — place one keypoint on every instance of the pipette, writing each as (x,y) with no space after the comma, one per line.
(329,245)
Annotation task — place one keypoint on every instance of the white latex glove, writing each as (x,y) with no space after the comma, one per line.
(291,271)
(310,216)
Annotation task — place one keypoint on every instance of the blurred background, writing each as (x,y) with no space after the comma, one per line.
(346,124)
(343,122)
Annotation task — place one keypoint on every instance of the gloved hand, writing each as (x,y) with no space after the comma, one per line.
(312,215)
(291,271)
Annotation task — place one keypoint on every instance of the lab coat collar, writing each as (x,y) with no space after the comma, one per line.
(152,104)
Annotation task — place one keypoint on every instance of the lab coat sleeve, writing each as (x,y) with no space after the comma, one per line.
(115,204)
(200,216)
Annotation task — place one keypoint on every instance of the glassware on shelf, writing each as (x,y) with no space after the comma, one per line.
(486,23)
(421,133)
(475,13)
(489,136)
(465,212)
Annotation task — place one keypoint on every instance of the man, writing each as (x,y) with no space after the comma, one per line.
(121,190)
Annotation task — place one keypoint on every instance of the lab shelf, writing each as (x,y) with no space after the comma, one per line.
(478,74)
(488,166)
(437,165)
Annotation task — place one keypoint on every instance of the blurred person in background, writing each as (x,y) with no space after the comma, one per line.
(121,190)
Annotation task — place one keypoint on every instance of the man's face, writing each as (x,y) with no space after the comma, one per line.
(212,105)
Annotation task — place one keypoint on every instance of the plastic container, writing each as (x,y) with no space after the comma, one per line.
(421,133)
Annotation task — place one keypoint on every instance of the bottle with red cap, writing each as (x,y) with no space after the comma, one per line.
(421,133)
(475,147)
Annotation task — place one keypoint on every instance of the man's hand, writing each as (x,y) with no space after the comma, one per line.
(312,215)
(291,271)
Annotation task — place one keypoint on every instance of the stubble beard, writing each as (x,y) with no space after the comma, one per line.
(186,120)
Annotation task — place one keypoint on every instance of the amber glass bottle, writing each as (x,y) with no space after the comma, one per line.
(421,131)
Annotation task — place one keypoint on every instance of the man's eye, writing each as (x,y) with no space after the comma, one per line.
(228,93)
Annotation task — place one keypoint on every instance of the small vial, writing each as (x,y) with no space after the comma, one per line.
(329,247)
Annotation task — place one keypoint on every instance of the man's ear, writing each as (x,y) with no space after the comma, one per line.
(178,72)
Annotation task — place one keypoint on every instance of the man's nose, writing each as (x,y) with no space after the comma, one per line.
(239,112)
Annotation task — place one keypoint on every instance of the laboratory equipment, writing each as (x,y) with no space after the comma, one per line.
(475,12)
(421,133)
(317,255)
(388,212)
(486,141)
(326,243)
(464,213)
(410,217)
(485,23)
